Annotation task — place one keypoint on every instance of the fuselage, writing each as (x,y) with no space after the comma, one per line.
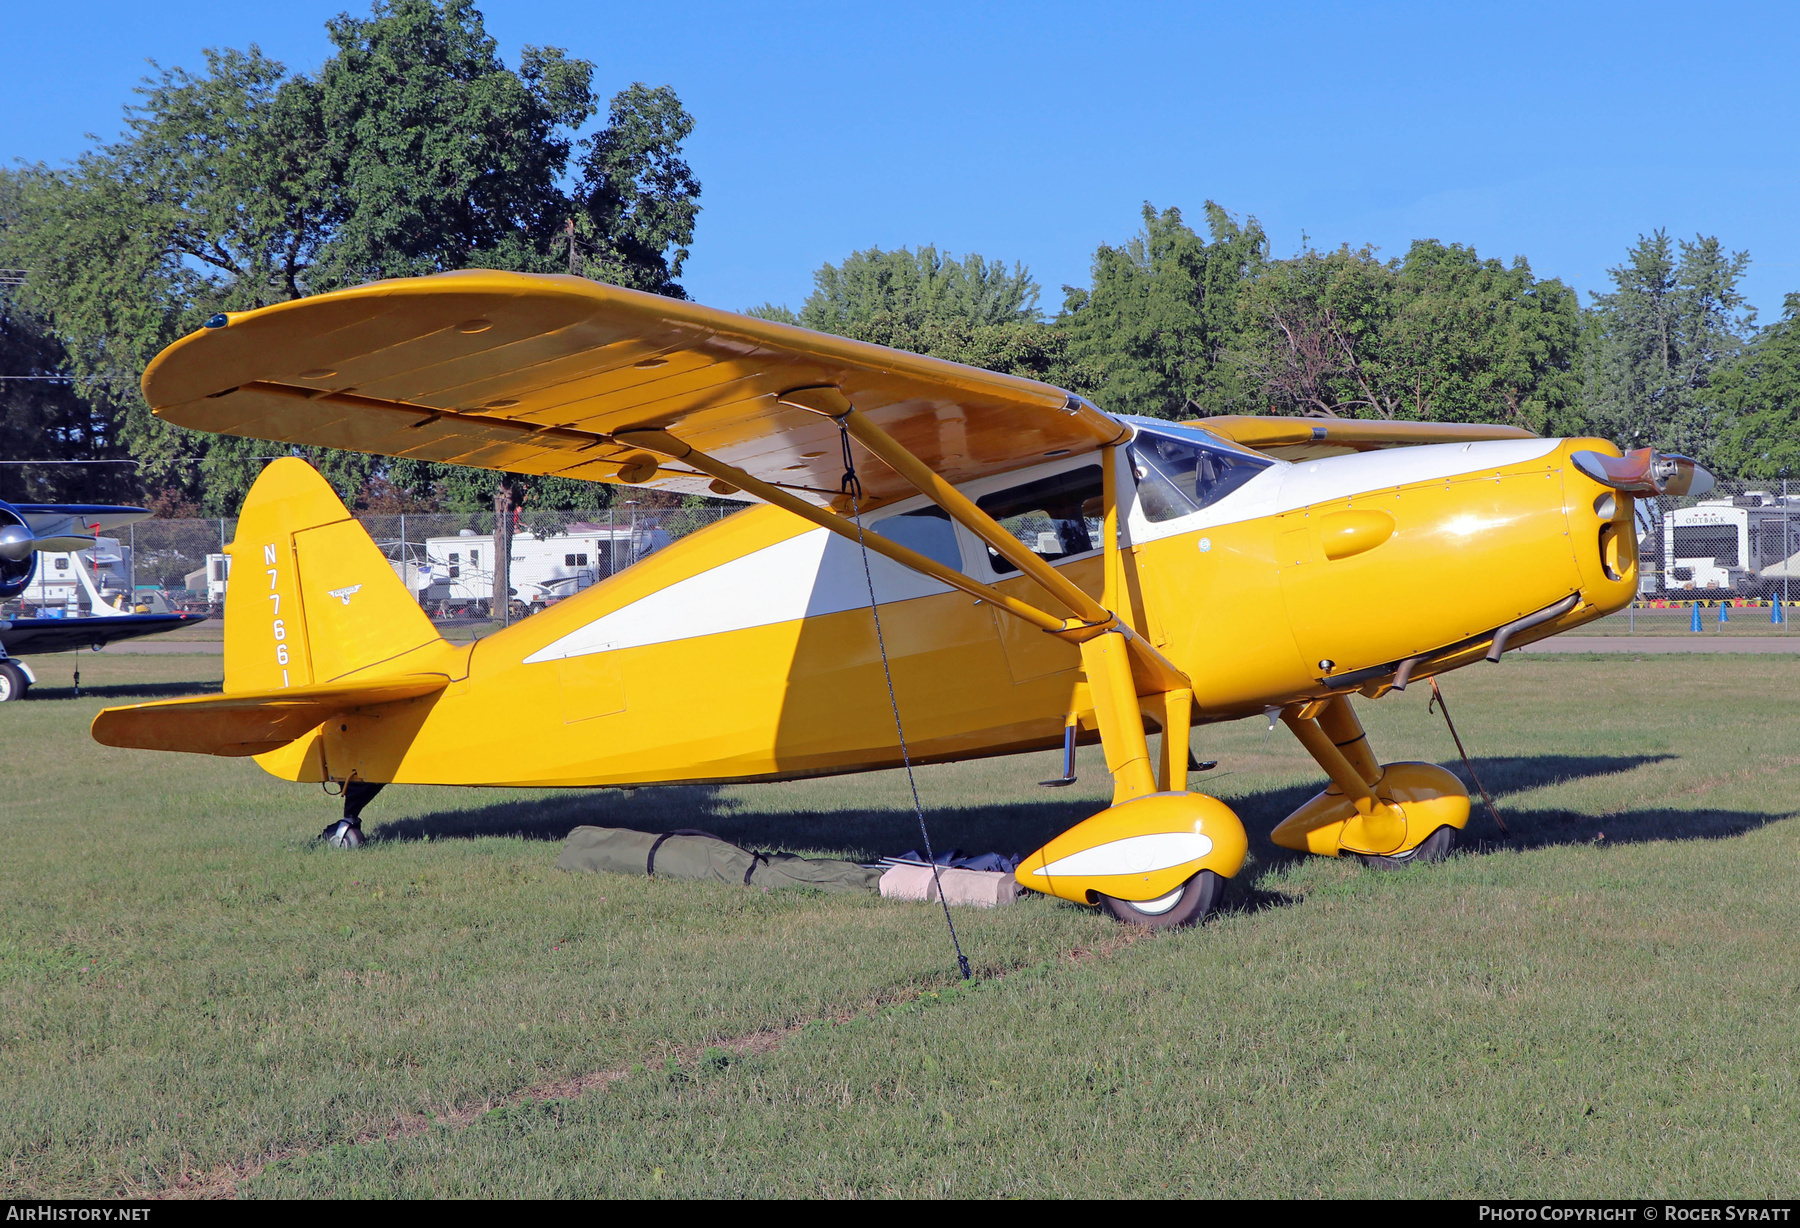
(748,650)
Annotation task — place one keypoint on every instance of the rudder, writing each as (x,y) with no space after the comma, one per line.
(311,597)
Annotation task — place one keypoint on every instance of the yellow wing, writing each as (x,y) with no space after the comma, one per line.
(533,374)
(1295,439)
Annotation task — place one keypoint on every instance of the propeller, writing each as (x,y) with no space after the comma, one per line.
(1645,471)
(17,543)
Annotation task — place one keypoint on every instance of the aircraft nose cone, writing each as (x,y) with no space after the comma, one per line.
(16,543)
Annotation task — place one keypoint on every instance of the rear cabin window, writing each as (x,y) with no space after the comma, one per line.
(1055,517)
(927,530)
(1177,478)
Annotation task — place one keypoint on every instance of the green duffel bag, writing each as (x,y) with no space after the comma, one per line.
(702,855)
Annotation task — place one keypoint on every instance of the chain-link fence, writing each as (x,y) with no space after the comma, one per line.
(1722,563)
(1719,563)
(446,559)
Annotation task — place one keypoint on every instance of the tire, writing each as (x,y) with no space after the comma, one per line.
(1432,848)
(13,683)
(1188,904)
(344,834)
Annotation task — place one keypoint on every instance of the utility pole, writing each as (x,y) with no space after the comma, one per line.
(569,232)
(503,504)
(631,550)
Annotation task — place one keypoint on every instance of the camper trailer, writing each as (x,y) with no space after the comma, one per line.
(75,580)
(1748,545)
(213,580)
(544,570)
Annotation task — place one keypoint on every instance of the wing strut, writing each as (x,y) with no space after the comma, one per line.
(1120,665)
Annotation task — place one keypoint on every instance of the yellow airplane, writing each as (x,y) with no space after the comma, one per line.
(1023,569)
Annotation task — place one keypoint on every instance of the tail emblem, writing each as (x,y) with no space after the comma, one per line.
(344,594)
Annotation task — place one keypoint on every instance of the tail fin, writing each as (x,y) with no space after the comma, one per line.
(311,596)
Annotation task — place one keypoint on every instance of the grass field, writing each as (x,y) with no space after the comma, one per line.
(195,997)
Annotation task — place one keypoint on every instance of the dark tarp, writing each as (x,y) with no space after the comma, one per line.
(697,855)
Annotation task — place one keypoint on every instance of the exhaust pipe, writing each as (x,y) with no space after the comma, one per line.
(1531,620)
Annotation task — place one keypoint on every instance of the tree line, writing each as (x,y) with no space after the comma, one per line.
(414,149)
(1176,324)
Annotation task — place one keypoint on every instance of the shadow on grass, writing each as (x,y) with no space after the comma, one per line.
(1010,827)
(1529,828)
(1021,826)
(125,690)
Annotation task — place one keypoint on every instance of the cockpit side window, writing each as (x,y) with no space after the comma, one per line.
(927,530)
(1177,478)
(1055,517)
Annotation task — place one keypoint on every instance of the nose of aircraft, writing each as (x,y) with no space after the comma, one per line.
(1599,488)
(1644,471)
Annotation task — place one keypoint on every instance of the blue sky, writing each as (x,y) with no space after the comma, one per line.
(1035,131)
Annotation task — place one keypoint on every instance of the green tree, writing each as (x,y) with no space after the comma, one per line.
(413,150)
(907,287)
(1663,337)
(1162,312)
(637,200)
(1441,335)
(1310,335)
(441,157)
(42,419)
(1761,395)
(973,310)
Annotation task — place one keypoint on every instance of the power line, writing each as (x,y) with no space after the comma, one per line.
(73,462)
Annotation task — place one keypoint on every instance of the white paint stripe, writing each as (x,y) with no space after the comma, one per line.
(1321,481)
(1287,487)
(1133,855)
(812,574)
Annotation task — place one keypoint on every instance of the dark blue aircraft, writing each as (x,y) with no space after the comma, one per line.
(25,530)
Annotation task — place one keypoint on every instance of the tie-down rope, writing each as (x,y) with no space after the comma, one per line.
(1437,701)
(851,485)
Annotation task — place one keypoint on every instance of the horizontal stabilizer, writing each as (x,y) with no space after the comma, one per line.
(249,722)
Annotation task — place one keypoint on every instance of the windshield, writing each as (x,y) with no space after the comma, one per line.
(1179,476)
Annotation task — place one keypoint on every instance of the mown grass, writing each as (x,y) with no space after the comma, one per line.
(1602,1006)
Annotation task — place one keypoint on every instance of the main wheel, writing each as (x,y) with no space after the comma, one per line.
(1185,905)
(1434,847)
(344,834)
(13,682)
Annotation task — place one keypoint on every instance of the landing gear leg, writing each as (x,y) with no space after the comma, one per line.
(1388,815)
(347,832)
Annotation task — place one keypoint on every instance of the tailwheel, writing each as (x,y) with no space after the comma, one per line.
(1434,847)
(1186,905)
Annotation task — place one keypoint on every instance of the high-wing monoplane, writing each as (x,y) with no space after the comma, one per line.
(30,529)
(1024,569)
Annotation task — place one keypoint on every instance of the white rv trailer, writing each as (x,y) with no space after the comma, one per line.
(543,570)
(1748,544)
(212,579)
(74,580)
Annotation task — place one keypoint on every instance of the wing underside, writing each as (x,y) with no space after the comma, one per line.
(535,374)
